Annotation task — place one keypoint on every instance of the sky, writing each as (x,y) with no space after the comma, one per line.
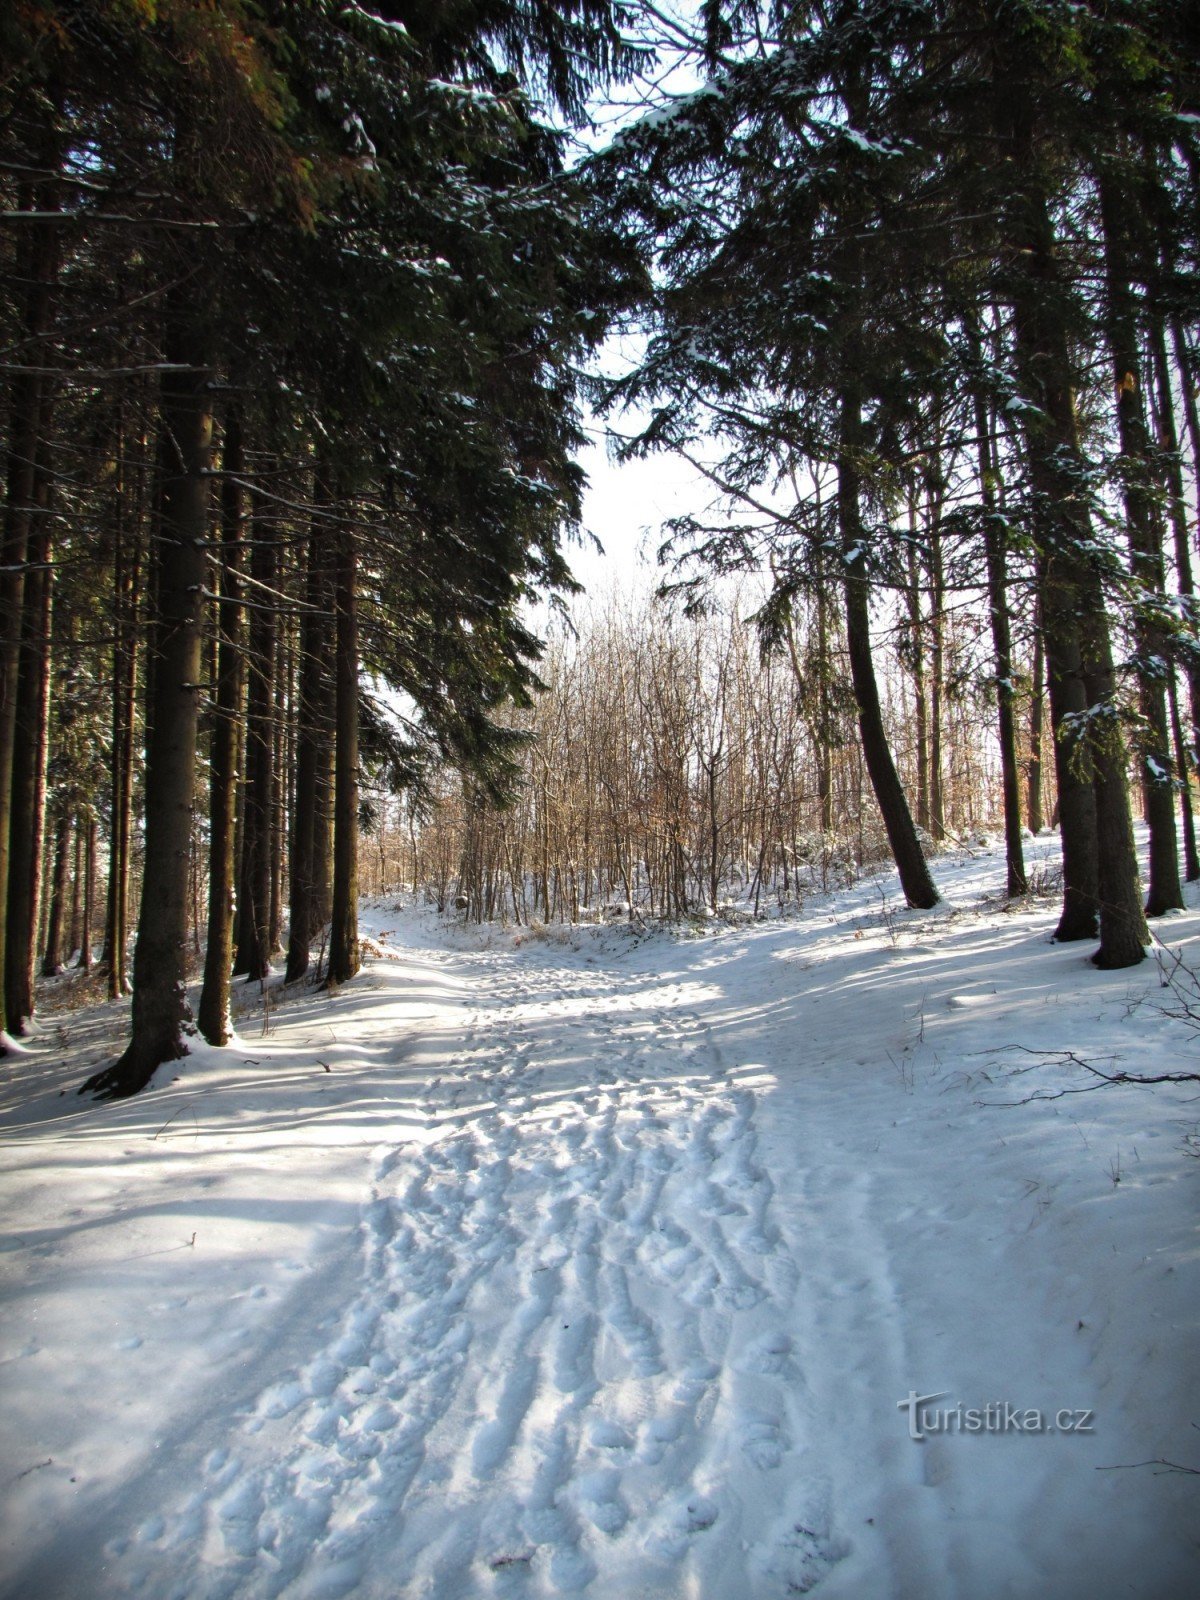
(625,507)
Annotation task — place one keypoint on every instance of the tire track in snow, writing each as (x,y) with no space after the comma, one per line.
(568,1357)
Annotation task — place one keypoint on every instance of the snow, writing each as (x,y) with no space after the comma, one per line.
(883,147)
(542,1262)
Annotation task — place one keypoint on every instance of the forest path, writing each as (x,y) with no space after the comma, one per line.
(581,1264)
(573,1357)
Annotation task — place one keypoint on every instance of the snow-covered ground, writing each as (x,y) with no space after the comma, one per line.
(535,1264)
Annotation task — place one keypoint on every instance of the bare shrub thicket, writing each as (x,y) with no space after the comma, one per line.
(674,770)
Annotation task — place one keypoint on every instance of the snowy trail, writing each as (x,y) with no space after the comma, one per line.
(532,1266)
(572,1326)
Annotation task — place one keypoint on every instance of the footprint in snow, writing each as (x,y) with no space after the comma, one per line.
(600,1497)
(608,1435)
(690,1516)
(764,1440)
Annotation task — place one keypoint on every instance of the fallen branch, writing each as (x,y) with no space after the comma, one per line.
(1045,1058)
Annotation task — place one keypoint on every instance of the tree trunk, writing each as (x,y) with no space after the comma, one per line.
(1187,382)
(343,939)
(258,799)
(89,894)
(128,511)
(1137,471)
(160,1008)
(28,800)
(1037,714)
(915,879)
(213,1016)
(54,957)
(824,719)
(917,667)
(314,737)
(1191,857)
(1168,439)
(995,540)
(75,924)
(282,758)
(937,667)
(28,401)
(1099,860)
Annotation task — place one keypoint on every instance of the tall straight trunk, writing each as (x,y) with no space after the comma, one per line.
(920,695)
(825,730)
(314,736)
(323,800)
(53,956)
(1187,383)
(322,865)
(38,262)
(1168,438)
(820,718)
(75,914)
(937,666)
(87,922)
(1191,857)
(1099,858)
(1065,690)
(282,765)
(213,1015)
(1138,469)
(915,878)
(258,796)
(45,894)
(1037,717)
(343,936)
(995,544)
(128,512)
(160,1008)
(28,799)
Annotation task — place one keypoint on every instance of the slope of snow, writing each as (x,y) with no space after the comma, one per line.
(536,1264)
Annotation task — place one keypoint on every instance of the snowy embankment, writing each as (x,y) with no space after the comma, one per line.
(536,1265)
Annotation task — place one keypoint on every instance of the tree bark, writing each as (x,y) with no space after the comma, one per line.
(28,799)
(282,759)
(1037,714)
(1169,443)
(53,957)
(75,915)
(920,696)
(128,511)
(160,1009)
(937,665)
(38,263)
(213,1015)
(1191,412)
(343,938)
(88,918)
(314,737)
(915,879)
(995,541)
(1099,859)
(1191,856)
(1137,470)
(258,800)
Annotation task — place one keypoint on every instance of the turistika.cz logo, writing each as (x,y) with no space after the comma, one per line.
(998,1416)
